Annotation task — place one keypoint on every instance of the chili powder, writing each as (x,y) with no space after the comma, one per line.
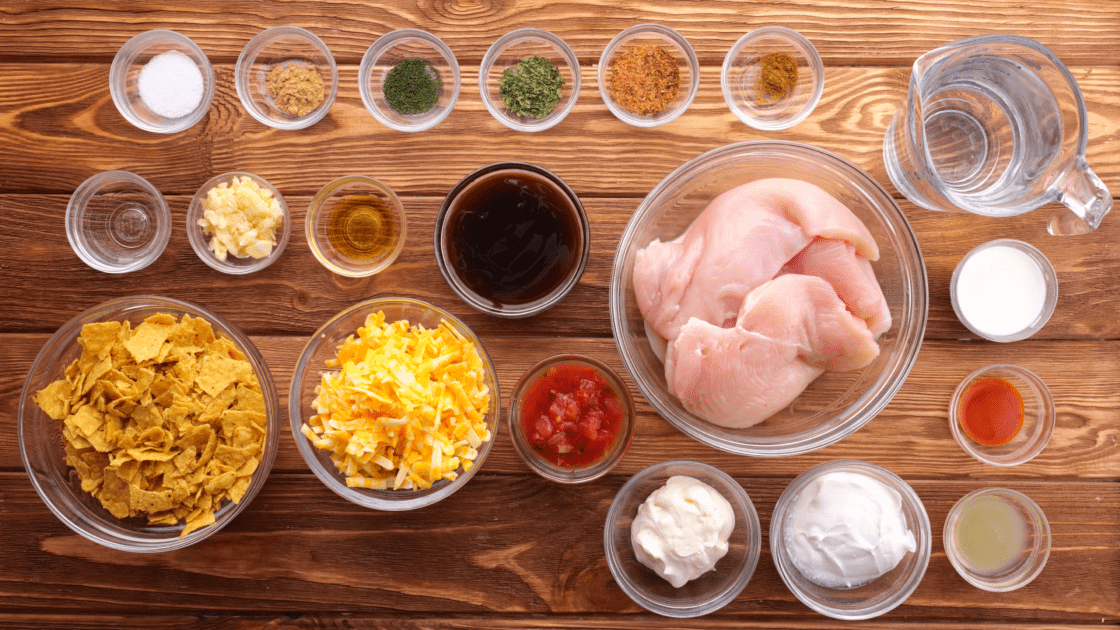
(991,411)
(644,79)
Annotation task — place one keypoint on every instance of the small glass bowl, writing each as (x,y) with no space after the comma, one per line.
(308,376)
(124,77)
(320,217)
(542,466)
(232,264)
(1049,277)
(1038,417)
(877,596)
(707,593)
(582,247)
(117,222)
(393,48)
(277,47)
(672,42)
(40,437)
(1036,541)
(740,71)
(504,54)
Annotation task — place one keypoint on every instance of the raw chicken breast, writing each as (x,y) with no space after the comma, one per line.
(789,331)
(850,274)
(742,239)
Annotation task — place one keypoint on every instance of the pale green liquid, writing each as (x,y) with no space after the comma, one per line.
(991,534)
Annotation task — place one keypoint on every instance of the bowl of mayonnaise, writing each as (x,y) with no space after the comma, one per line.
(682,538)
(850,539)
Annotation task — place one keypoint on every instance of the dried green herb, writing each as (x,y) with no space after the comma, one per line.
(412,87)
(532,87)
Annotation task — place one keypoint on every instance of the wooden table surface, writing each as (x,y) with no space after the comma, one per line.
(511,550)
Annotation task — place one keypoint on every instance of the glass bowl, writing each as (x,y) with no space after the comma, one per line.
(124,80)
(504,54)
(1038,417)
(199,238)
(1049,278)
(712,590)
(740,75)
(393,48)
(40,437)
(273,50)
(687,65)
(367,220)
(872,598)
(1001,518)
(836,404)
(117,222)
(308,375)
(543,184)
(541,465)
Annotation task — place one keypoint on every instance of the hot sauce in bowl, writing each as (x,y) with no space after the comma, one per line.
(571,418)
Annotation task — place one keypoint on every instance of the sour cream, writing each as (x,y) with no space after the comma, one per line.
(845,529)
(681,530)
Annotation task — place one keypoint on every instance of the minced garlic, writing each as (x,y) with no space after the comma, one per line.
(241,218)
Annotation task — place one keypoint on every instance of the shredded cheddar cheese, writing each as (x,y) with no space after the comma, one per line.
(406,408)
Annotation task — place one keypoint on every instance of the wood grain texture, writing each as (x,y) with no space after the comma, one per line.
(58,126)
(48,284)
(911,436)
(528,545)
(351,621)
(845,32)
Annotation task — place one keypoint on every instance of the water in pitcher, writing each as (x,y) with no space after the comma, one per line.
(992,132)
(995,125)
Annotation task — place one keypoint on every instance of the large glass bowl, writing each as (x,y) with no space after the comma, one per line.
(836,404)
(41,445)
(308,375)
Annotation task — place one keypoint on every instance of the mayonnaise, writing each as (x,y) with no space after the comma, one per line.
(681,530)
(845,529)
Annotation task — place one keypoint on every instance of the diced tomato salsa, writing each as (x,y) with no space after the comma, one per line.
(571,416)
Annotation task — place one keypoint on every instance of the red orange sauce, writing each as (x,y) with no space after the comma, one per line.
(991,411)
(571,416)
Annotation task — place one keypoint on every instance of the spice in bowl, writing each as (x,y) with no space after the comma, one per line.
(413,86)
(776,78)
(295,89)
(171,84)
(241,218)
(531,87)
(644,79)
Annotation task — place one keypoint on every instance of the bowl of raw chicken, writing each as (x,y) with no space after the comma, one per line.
(768,298)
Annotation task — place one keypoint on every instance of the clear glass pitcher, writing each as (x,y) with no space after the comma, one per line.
(995,125)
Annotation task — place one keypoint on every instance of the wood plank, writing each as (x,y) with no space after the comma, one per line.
(911,436)
(296,295)
(845,32)
(68,130)
(466,622)
(300,547)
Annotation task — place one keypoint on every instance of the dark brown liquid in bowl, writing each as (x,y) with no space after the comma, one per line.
(512,236)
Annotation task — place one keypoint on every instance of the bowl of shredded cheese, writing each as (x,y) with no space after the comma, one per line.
(394,404)
(238,223)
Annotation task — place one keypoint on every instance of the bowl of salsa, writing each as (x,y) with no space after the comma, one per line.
(571,418)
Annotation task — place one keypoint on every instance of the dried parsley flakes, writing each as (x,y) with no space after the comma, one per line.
(532,87)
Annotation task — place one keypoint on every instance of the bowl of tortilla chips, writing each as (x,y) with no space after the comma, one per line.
(147,424)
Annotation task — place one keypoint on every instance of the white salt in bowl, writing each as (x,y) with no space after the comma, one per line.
(124,77)
(1004,290)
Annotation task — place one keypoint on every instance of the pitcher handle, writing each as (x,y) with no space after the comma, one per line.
(1086,201)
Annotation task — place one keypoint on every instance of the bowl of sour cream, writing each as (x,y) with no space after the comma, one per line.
(850,539)
(682,539)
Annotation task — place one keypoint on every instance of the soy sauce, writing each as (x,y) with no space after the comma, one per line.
(513,236)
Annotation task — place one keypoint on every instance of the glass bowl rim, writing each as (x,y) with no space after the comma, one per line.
(241,78)
(196,235)
(1044,427)
(373,55)
(328,191)
(683,47)
(139,43)
(90,188)
(504,42)
(1049,275)
(799,41)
